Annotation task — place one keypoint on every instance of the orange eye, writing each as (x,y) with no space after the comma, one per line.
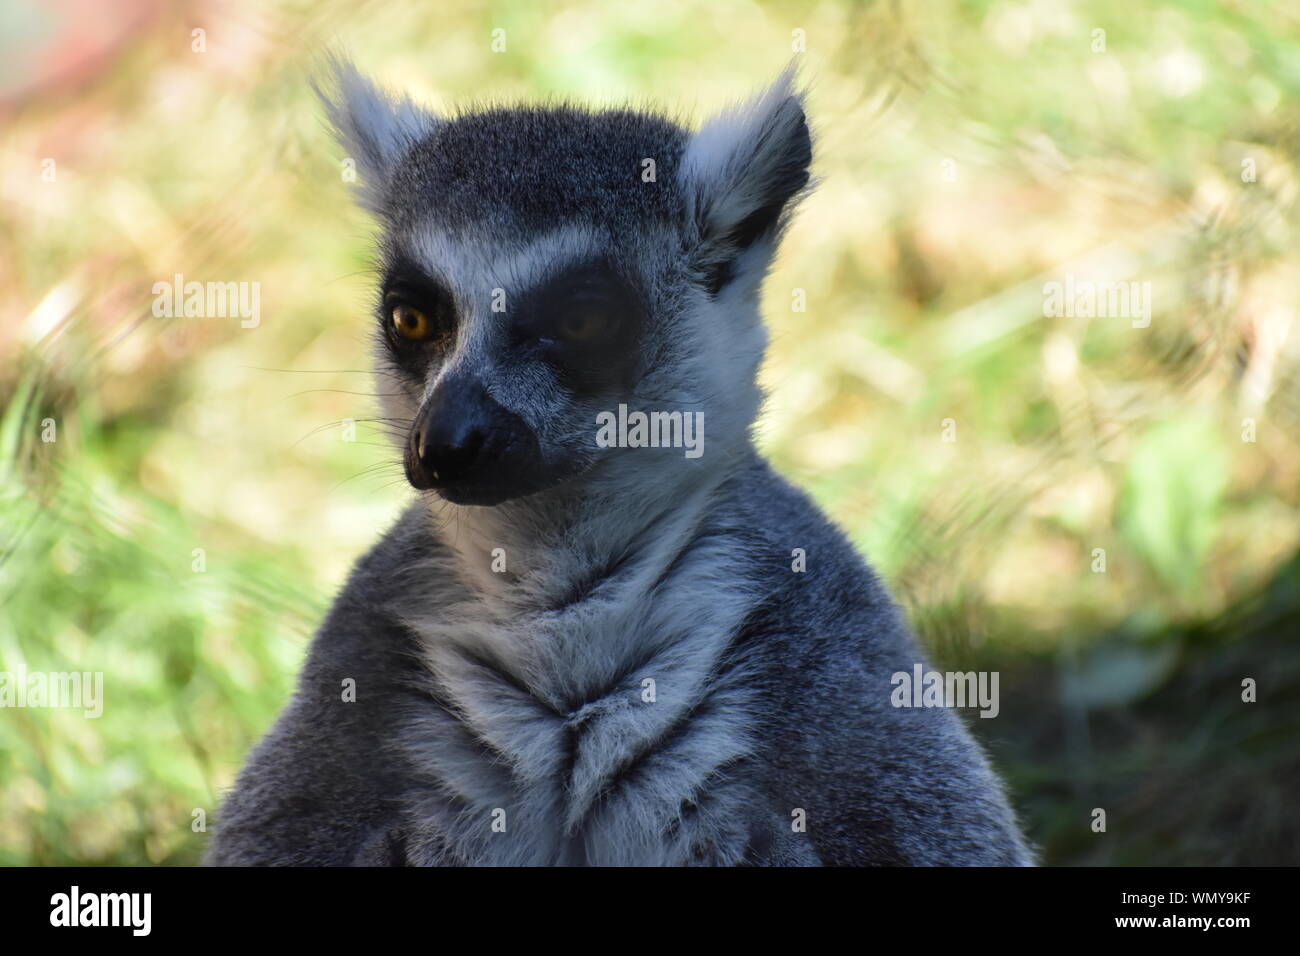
(410,323)
(583,326)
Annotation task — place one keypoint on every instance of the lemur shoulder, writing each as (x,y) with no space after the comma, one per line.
(566,653)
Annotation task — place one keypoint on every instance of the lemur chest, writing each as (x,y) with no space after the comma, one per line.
(607,732)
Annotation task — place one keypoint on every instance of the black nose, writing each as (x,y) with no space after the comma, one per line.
(446,447)
(451,434)
(472,450)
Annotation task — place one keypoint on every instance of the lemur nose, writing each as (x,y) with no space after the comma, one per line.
(448,454)
(450,437)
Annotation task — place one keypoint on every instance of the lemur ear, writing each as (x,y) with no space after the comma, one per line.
(375,127)
(742,170)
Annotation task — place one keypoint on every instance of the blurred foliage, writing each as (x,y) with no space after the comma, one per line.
(968,153)
(1152,729)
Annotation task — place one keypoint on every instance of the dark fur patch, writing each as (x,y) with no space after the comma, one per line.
(536,168)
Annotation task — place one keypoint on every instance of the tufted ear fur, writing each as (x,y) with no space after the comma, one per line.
(741,173)
(374,127)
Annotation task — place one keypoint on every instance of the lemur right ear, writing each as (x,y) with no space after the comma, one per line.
(375,127)
(741,172)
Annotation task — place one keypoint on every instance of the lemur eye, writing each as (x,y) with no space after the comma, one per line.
(410,323)
(584,325)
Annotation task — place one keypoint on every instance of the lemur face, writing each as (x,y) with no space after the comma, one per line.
(542,266)
(502,355)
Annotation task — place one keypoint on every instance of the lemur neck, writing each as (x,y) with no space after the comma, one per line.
(549,550)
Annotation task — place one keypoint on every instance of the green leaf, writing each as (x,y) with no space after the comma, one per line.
(1170,504)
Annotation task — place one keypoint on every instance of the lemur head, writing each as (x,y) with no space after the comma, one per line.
(541,265)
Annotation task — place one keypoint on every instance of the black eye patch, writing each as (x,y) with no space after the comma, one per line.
(408,287)
(586,322)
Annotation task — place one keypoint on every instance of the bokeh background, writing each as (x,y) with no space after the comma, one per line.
(968,153)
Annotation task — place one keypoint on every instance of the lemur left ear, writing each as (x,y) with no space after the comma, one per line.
(375,127)
(742,170)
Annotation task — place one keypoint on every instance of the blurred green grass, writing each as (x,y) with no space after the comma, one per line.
(968,153)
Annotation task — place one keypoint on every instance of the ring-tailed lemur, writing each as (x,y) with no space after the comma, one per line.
(571,650)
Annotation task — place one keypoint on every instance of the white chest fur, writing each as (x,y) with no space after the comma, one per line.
(611,729)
